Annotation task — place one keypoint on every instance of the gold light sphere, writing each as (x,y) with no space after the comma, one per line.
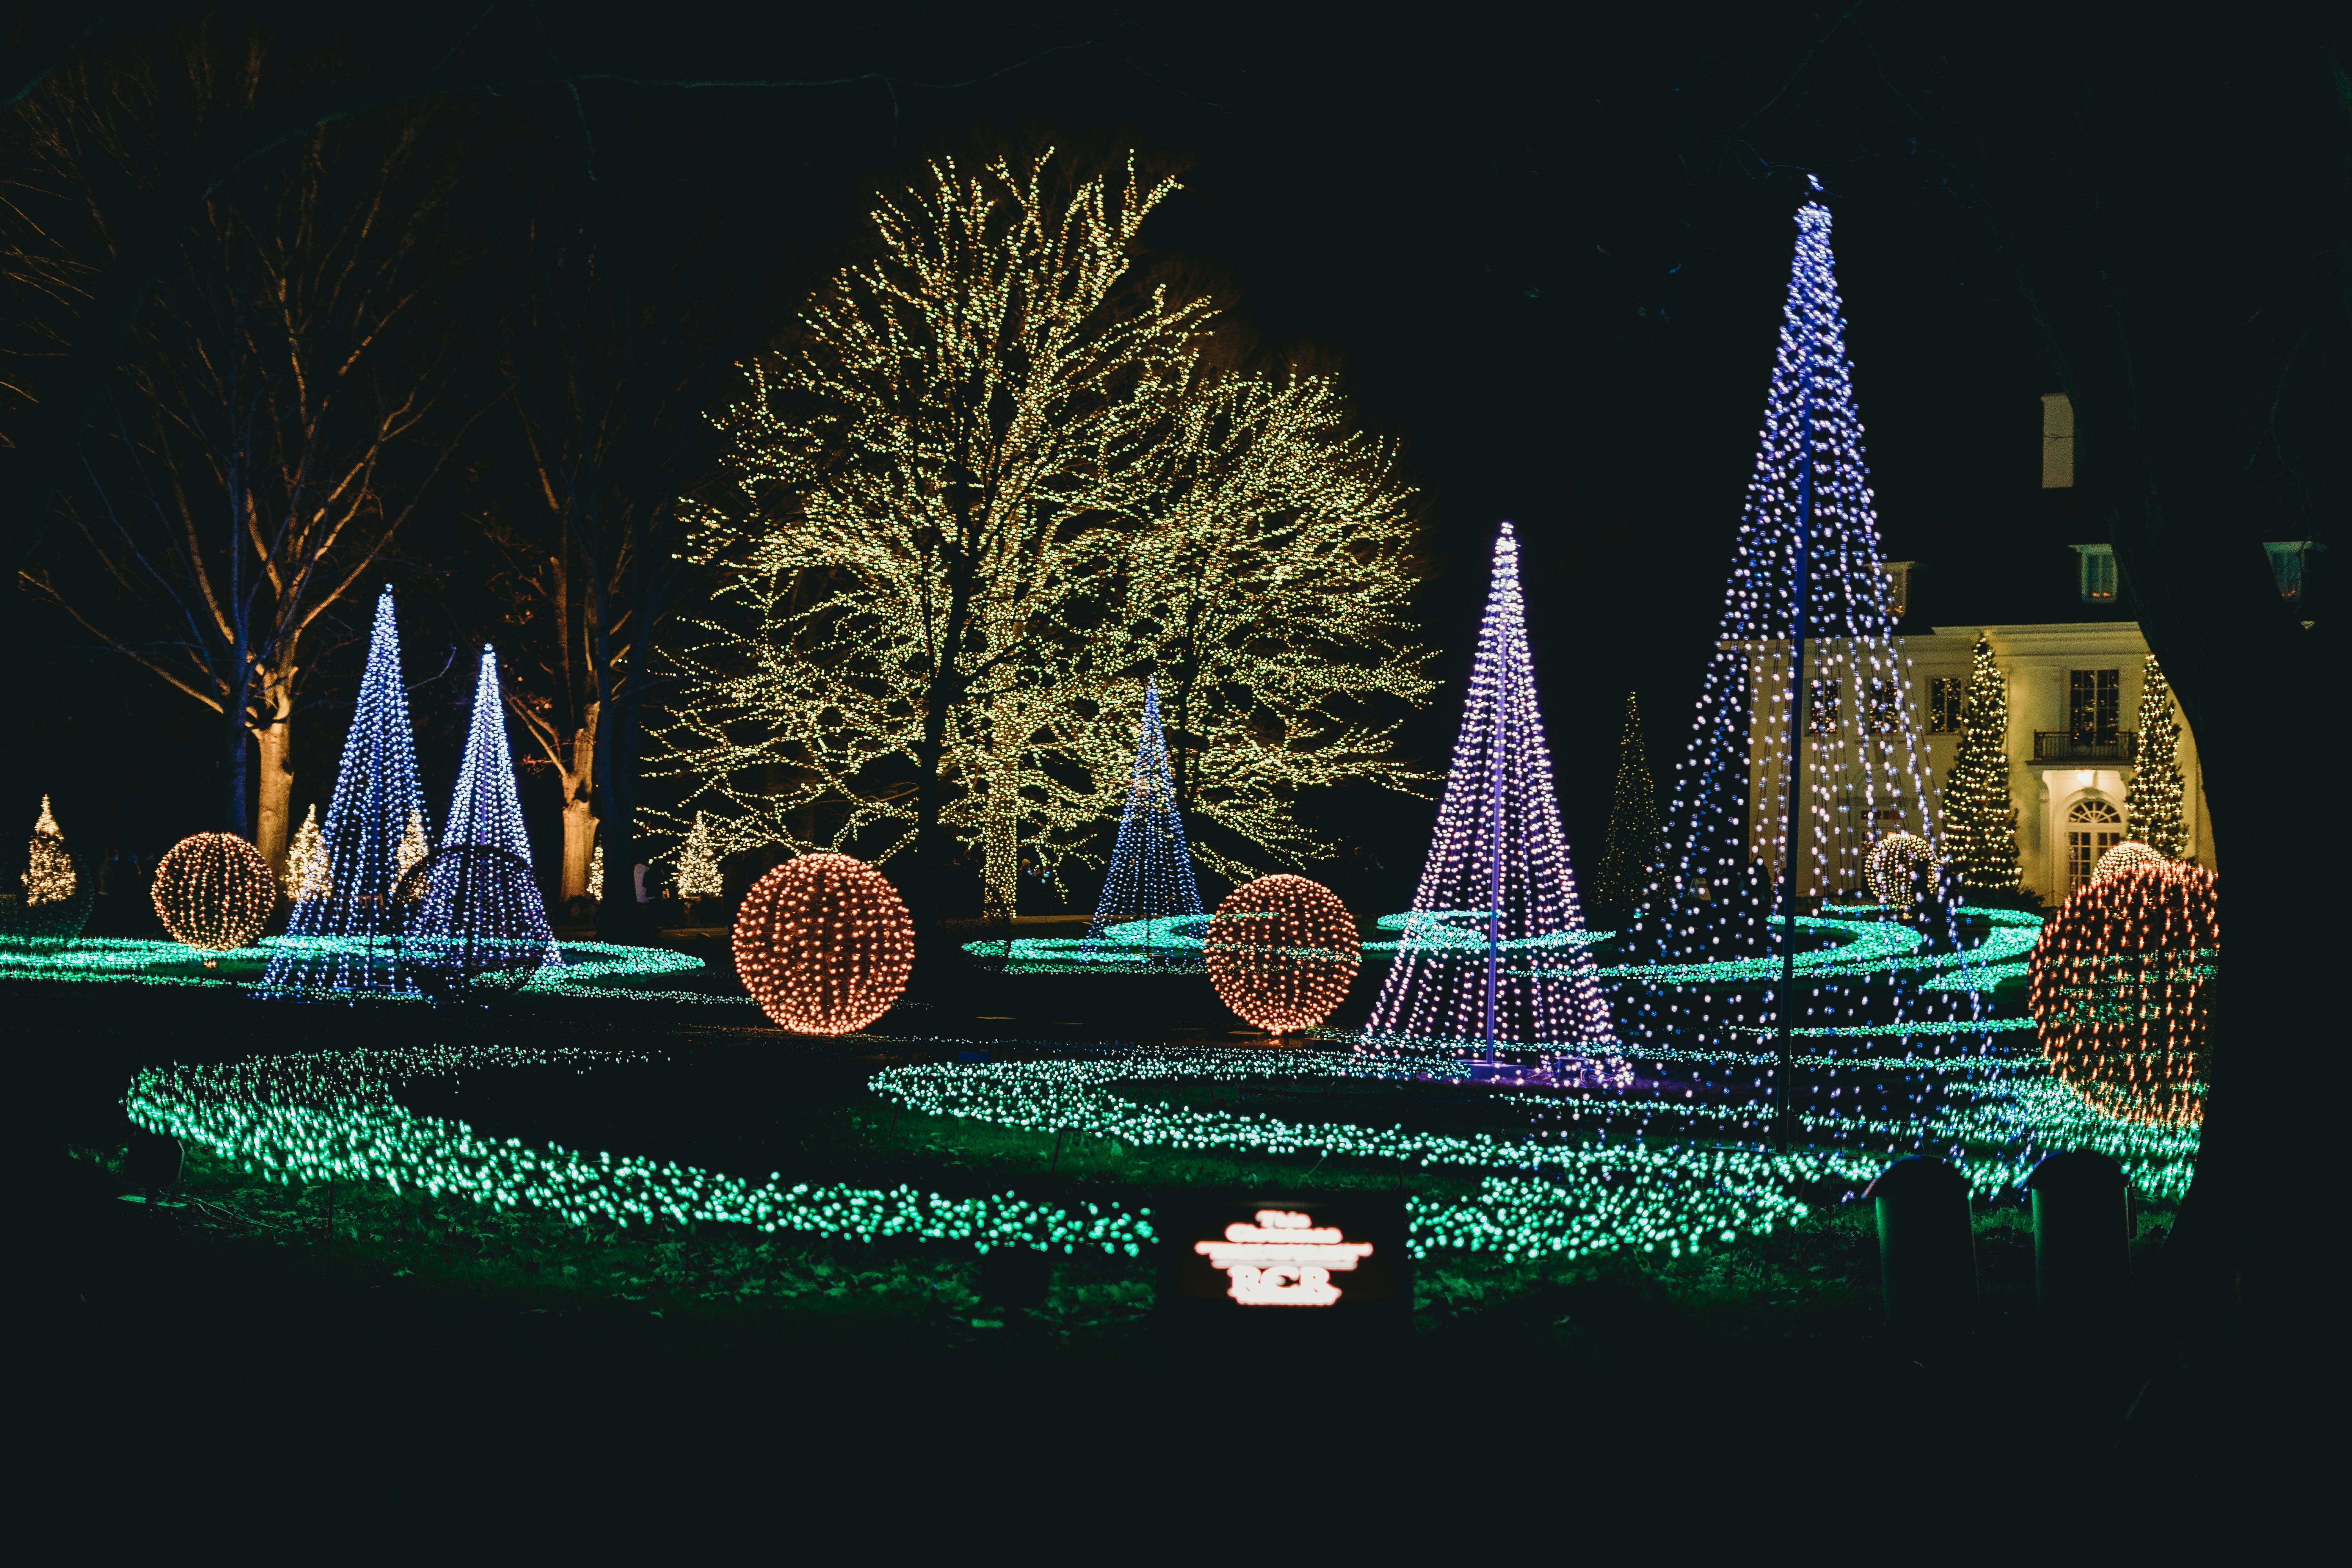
(2121,984)
(824,944)
(213,892)
(2125,856)
(1894,860)
(1282,951)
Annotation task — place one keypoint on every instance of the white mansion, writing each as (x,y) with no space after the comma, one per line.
(2073,691)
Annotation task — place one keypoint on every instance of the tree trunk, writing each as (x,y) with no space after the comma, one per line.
(1000,836)
(619,917)
(2176,338)
(579,780)
(926,888)
(274,741)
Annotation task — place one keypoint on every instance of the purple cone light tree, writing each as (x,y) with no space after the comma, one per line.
(347,938)
(1492,956)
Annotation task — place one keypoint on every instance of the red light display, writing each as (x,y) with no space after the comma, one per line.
(824,944)
(2122,985)
(1282,951)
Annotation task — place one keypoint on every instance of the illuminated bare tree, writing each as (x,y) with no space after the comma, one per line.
(995,479)
(242,482)
(639,297)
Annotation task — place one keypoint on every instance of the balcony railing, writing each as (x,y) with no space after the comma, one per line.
(2063,746)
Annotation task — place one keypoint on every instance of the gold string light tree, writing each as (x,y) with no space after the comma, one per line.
(307,876)
(50,903)
(699,876)
(992,479)
(2153,800)
(1980,817)
(49,869)
(1633,823)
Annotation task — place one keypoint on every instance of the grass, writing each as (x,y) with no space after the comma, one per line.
(327,1370)
(1828,1261)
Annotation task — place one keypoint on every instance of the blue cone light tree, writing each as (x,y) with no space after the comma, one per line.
(1151,874)
(476,908)
(1491,954)
(1805,749)
(347,938)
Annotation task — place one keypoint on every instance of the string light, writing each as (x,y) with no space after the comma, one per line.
(591,969)
(2153,801)
(1804,753)
(1980,817)
(1633,823)
(1497,848)
(414,845)
(1150,876)
(1894,863)
(473,917)
(44,913)
(330,1117)
(596,871)
(824,944)
(2122,984)
(50,876)
(698,869)
(2127,855)
(1133,505)
(307,876)
(213,892)
(1282,953)
(471,924)
(346,938)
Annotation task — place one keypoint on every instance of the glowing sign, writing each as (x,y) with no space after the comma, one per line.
(1286,1259)
(1223,1254)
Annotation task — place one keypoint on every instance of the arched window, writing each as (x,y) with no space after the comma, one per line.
(2093,827)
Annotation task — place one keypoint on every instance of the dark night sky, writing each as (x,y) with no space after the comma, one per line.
(1544,267)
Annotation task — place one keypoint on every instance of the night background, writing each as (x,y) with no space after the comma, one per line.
(641,1244)
(1548,259)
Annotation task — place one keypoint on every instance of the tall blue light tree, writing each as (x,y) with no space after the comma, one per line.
(1805,749)
(1491,954)
(1151,874)
(347,938)
(486,814)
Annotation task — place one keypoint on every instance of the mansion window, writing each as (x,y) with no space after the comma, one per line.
(2094,706)
(2288,561)
(2093,827)
(1947,701)
(1882,713)
(1822,711)
(2098,574)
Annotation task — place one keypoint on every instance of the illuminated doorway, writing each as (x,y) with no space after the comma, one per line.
(2093,827)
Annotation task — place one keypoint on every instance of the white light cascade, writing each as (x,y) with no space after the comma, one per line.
(1774,777)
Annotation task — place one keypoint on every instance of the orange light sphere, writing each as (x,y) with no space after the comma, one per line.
(824,944)
(213,892)
(1282,953)
(2122,986)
